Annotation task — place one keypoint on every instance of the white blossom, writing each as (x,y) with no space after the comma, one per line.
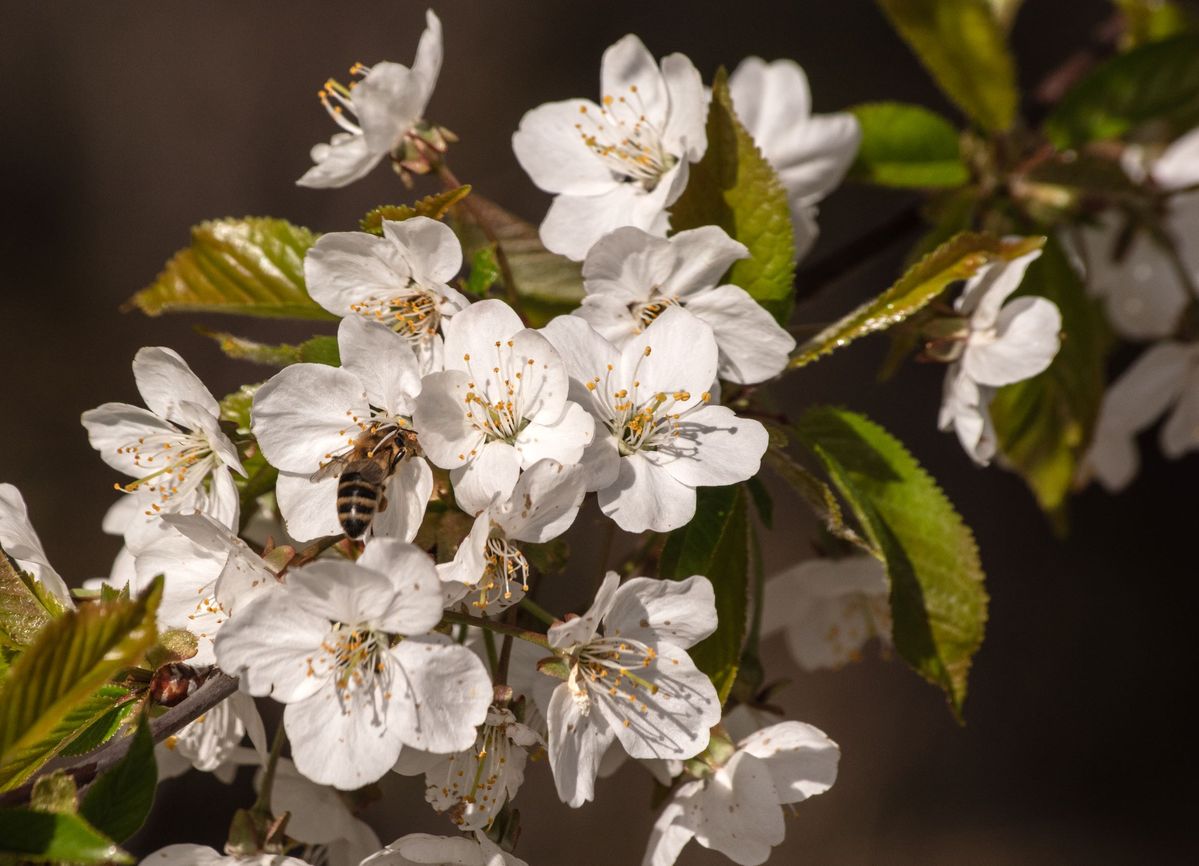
(375,113)
(619,163)
(658,435)
(309,416)
(400,280)
(631,277)
(422,849)
(212,743)
(1003,343)
(201,855)
(737,809)
(488,569)
(630,679)
(810,152)
(175,450)
(474,784)
(499,407)
(19,541)
(827,609)
(326,646)
(1164,379)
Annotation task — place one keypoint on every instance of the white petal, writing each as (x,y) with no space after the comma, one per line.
(1025,343)
(406,496)
(611,318)
(584,353)
(669,837)
(676,353)
(427,64)
(1178,167)
(306,413)
(647,496)
(577,743)
(713,447)
(344,269)
(1180,433)
(563,439)
(268,645)
(430,247)
(985,292)
(422,849)
(309,508)
(492,472)
(629,264)
(964,408)
(802,760)
(475,332)
(165,382)
(1147,388)
(382,361)
(388,101)
(703,256)
(19,540)
(681,612)
(416,605)
(626,68)
(113,427)
(580,630)
(771,100)
(753,347)
(550,148)
(1113,459)
(440,694)
(447,435)
(739,811)
(575,222)
(816,157)
(342,592)
(543,503)
(686,125)
(343,161)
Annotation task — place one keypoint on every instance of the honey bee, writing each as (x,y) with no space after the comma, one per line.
(362,471)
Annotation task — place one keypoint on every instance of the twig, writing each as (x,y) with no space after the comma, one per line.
(498,627)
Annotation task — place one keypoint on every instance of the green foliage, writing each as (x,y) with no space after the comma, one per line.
(55,689)
(119,801)
(1151,20)
(957,259)
(716,544)
(251,267)
(28,836)
(484,272)
(815,492)
(174,645)
(235,407)
(1044,424)
(107,725)
(54,792)
(1157,81)
(962,45)
(734,187)
(907,146)
(548,284)
(316,350)
(938,603)
(433,206)
(25,605)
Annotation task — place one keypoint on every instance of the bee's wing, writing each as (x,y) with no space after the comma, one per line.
(332,469)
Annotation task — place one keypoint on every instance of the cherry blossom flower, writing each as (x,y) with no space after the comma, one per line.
(499,407)
(208,572)
(473,785)
(810,152)
(619,163)
(375,113)
(212,743)
(1002,343)
(325,645)
(201,855)
(310,416)
(634,683)
(1165,379)
(1143,291)
(737,808)
(19,540)
(175,449)
(630,277)
(827,609)
(488,568)
(400,280)
(658,435)
(422,849)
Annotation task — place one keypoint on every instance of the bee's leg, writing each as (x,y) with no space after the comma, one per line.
(382,503)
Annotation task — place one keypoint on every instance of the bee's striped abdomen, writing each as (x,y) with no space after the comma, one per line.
(357,500)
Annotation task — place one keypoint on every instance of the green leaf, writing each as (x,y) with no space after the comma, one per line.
(907,146)
(1151,21)
(1158,81)
(54,792)
(938,603)
(815,492)
(433,206)
(43,837)
(1044,424)
(548,284)
(963,47)
(107,725)
(316,350)
(51,694)
(484,272)
(251,267)
(235,407)
(734,187)
(26,606)
(958,258)
(716,544)
(118,802)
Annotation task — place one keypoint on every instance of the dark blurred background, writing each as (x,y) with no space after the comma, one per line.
(125,123)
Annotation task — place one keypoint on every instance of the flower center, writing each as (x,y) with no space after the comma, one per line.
(641,421)
(339,101)
(175,464)
(609,665)
(475,779)
(414,313)
(497,408)
(625,140)
(647,311)
(505,573)
(354,656)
